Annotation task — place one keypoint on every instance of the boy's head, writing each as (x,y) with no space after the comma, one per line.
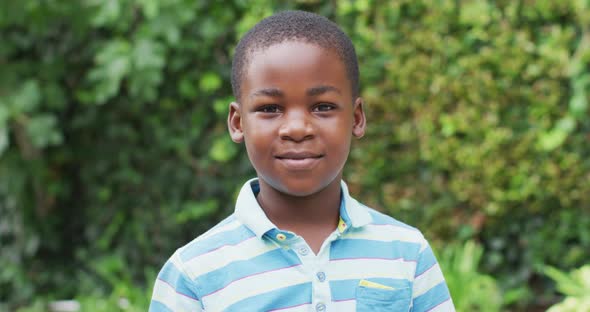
(295,77)
(294,26)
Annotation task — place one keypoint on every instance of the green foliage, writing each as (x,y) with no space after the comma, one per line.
(478,126)
(470,289)
(575,285)
(114,149)
(110,144)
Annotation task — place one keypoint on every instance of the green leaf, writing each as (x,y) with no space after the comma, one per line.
(566,283)
(27,98)
(148,54)
(448,125)
(223,149)
(362,5)
(113,63)
(107,11)
(4,113)
(43,131)
(578,105)
(192,210)
(221,106)
(108,236)
(557,136)
(188,87)
(475,13)
(566,124)
(209,82)
(3,139)
(150,8)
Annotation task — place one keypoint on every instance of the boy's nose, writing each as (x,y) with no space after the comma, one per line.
(296,127)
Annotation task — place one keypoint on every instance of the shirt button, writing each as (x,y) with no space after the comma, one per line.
(281,237)
(321,276)
(303,250)
(342,226)
(320,307)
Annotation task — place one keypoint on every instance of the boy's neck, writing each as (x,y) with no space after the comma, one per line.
(309,216)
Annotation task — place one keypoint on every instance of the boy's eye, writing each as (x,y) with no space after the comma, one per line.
(324,107)
(272,108)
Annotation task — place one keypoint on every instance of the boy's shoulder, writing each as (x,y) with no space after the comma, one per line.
(381,219)
(227,232)
(229,240)
(384,219)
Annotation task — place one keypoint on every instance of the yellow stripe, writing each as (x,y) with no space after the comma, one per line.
(370,284)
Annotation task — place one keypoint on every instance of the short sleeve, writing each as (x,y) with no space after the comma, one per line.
(430,291)
(174,290)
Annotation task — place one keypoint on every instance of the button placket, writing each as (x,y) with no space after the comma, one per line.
(322,297)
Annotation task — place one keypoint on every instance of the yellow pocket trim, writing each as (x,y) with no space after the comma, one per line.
(370,284)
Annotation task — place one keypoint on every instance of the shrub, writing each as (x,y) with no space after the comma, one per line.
(470,289)
(575,285)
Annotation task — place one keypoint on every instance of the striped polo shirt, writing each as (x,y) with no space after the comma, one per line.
(371,262)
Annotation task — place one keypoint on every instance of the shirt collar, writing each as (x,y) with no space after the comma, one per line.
(249,212)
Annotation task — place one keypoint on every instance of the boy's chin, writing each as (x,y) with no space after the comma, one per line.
(299,187)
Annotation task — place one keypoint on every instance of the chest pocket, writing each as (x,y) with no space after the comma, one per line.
(377,299)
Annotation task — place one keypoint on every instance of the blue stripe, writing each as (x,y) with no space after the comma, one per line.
(380,218)
(157,306)
(176,279)
(346,289)
(255,186)
(277,299)
(343,289)
(427,260)
(363,248)
(273,260)
(232,237)
(435,296)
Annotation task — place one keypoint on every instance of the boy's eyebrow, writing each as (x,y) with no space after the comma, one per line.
(321,90)
(272,92)
(314,91)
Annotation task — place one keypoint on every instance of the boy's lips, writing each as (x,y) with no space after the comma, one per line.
(299,160)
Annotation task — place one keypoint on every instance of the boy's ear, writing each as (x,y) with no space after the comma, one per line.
(359,120)
(234,123)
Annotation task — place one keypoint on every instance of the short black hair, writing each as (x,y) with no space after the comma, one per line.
(298,26)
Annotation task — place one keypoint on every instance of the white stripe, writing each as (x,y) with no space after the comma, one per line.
(167,295)
(427,280)
(254,285)
(232,225)
(424,245)
(177,262)
(367,268)
(358,213)
(347,305)
(386,233)
(446,306)
(225,255)
(299,308)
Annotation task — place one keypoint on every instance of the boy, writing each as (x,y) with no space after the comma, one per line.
(297,241)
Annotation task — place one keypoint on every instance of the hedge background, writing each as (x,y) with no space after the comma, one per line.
(114,149)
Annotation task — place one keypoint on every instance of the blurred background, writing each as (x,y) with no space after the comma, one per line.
(114,150)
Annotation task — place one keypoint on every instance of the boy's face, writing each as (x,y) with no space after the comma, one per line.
(296,116)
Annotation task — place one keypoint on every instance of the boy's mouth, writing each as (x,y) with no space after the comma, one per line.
(299,160)
(298,155)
